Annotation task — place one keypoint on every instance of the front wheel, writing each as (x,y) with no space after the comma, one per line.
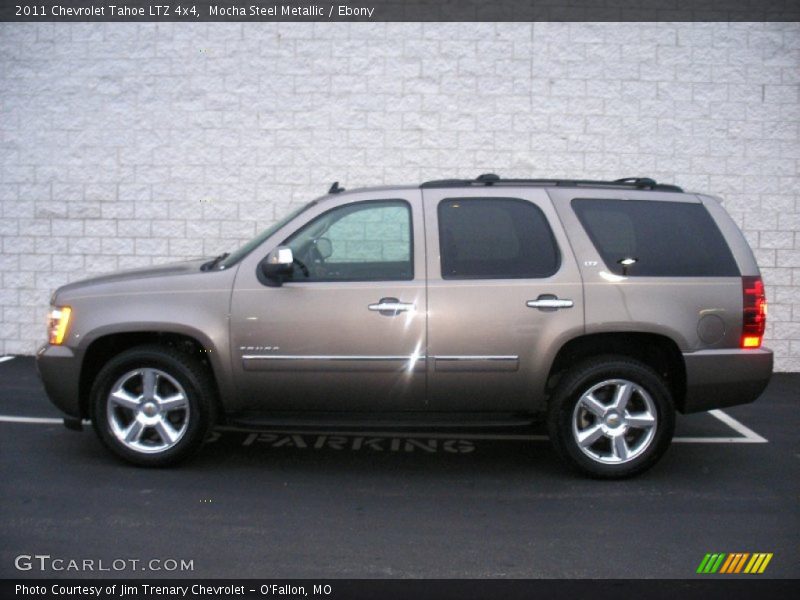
(611,417)
(152,405)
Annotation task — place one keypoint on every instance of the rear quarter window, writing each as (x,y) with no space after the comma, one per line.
(667,239)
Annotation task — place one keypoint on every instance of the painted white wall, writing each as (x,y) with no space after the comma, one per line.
(123,145)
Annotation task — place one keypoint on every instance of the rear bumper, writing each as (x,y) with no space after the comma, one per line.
(720,378)
(59,370)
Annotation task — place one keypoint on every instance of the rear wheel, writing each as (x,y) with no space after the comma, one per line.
(611,417)
(152,406)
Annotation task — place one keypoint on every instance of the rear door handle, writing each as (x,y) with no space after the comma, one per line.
(390,307)
(550,301)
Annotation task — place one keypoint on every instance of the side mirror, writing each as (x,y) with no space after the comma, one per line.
(277,266)
(324,247)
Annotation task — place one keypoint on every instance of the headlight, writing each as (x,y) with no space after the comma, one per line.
(57,323)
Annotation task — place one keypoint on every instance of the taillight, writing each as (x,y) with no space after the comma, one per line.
(754,318)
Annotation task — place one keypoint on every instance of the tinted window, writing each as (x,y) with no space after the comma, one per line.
(363,241)
(676,239)
(495,238)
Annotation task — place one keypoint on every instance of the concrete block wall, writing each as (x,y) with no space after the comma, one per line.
(124,145)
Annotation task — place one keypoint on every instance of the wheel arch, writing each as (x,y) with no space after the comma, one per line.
(105,347)
(659,352)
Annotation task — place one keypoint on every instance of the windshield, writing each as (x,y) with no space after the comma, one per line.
(261,237)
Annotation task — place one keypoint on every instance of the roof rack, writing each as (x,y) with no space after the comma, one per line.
(489,179)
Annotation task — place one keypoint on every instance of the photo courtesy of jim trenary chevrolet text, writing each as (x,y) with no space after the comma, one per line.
(399,298)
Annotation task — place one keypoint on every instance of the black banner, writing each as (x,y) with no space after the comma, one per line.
(391,589)
(398,10)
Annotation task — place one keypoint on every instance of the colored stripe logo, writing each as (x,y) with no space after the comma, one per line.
(736,562)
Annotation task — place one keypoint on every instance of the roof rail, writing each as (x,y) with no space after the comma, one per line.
(489,179)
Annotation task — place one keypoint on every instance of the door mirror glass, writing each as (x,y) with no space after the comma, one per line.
(278,265)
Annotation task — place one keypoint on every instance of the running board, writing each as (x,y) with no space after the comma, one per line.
(338,421)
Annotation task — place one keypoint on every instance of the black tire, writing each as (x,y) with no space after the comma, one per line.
(173,370)
(601,459)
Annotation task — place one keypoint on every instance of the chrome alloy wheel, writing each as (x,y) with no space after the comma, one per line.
(614,421)
(147,410)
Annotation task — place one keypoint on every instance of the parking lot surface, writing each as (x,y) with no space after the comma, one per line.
(448,504)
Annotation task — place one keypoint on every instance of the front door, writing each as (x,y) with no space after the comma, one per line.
(347,331)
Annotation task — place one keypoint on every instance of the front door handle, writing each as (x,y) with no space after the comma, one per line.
(549,301)
(391,307)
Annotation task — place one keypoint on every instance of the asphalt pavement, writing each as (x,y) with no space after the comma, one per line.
(380,504)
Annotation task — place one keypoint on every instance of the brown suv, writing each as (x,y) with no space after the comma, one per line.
(603,307)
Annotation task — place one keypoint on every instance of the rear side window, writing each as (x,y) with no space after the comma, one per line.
(495,238)
(666,239)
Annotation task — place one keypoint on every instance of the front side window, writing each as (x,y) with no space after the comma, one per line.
(656,238)
(495,238)
(363,241)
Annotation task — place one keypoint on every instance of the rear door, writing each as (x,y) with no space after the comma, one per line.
(504,293)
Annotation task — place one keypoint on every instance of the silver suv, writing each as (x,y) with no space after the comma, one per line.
(601,307)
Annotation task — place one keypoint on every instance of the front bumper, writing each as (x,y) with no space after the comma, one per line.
(720,378)
(59,370)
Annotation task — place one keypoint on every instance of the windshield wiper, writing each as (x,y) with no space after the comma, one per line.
(215,261)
